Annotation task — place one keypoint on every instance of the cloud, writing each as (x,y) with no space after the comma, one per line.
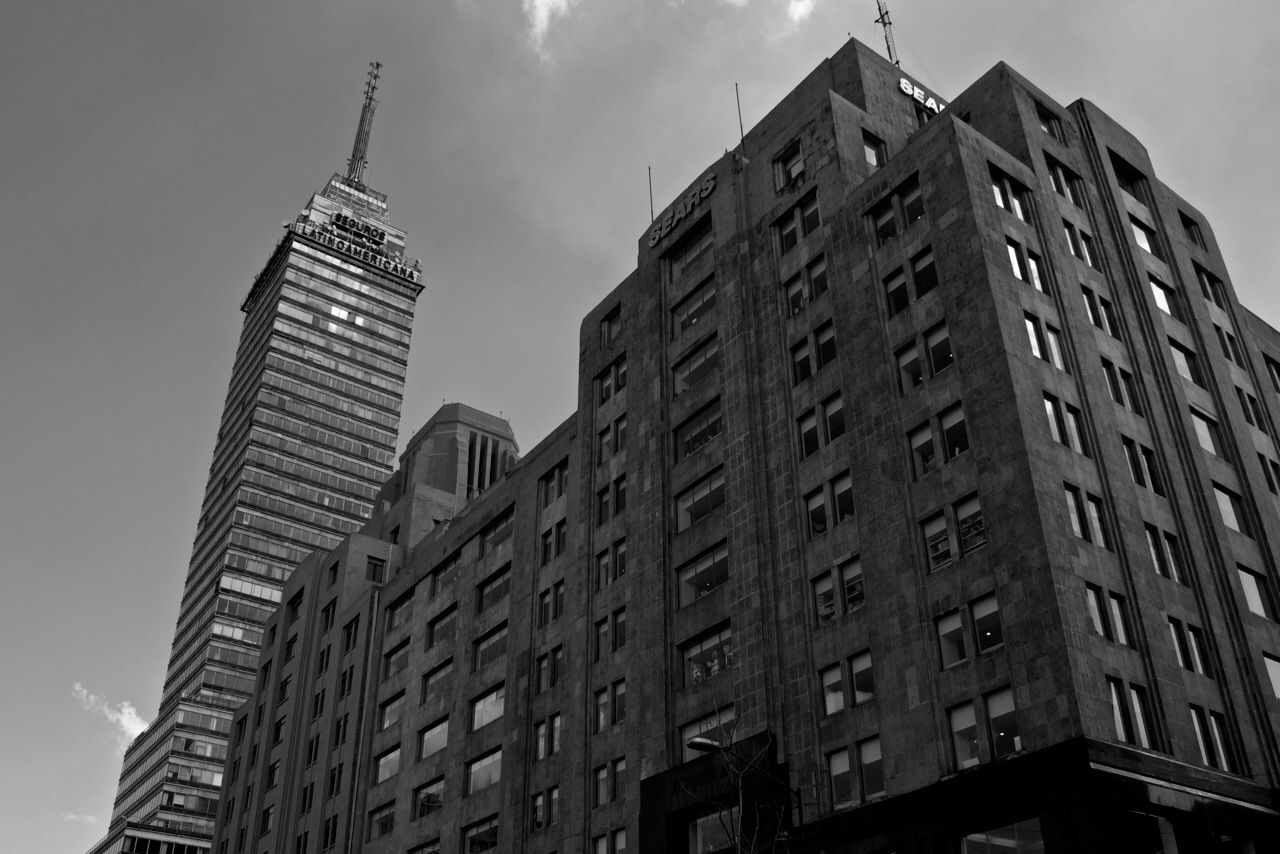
(539,13)
(79,818)
(123,716)
(799,10)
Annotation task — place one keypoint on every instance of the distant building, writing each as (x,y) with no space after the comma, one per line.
(306,440)
(921,496)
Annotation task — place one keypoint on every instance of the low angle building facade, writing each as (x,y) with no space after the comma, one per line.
(921,496)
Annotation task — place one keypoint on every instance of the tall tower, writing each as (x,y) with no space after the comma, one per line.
(306,439)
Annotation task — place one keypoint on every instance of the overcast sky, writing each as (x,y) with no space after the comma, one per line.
(151,151)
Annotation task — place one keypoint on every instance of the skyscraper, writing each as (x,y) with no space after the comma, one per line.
(922,496)
(307,437)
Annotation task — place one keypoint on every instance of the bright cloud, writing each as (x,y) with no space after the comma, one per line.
(79,818)
(123,716)
(538,14)
(798,10)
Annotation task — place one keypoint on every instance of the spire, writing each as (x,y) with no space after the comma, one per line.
(355,166)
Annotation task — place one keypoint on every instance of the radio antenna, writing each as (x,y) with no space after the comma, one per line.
(355,166)
(884,21)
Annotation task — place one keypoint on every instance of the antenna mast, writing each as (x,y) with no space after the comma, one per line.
(884,21)
(355,166)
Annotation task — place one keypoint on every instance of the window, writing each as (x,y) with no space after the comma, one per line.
(1011,195)
(1142,465)
(391,711)
(396,660)
(717,727)
(1002,723)
(611,564)
(350,633)
(801,364)
(490,648)
(1252,410)
(1119,620)
(484,771)
(1208,433)
(906,202)
(802,220)
(708,656)
(1230,346)
(815,504)
(711,833)
(833,417)
(969,521)
(610,706)
(987,631)
(1273,672)
(387,765)
(398,612)
(839,778)
(440,629)
(433,683)
(832,689)
(1168,300)
(700,500)
(611,327)
(955,438)
(964,736)
(937,541)
(1191,229)
(938,342)
(824,597)
(1065,182)
(807,285)
(910,373)
(1102,313)
(427,799)
(1145,237)
(496,532)
(1085,512)
(870,768)
(548,670)
(611,380)
(493,589)
(1130,713)
(1121,386)
(862,677)
(703,574)
(690,249)
(488,707)
(1026,265)
(1064,423)
(842,497)
(924,456)
(1257,593)
(873,149)
(1211,286)
(895,290)
(553,484)
(693,308)
(824,339)
(1211,737)
(788,167)
(1046,342)
(698,430)
(1185,362)
(1189,645)
(433,738)
(1231,507)
(480,837)
(850,572)
(1049,122)
(808,433)
(951,643)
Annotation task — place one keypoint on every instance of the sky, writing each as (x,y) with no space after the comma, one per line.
(152,151)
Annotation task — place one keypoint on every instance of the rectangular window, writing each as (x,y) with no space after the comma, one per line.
(788,167)
(951,644)
(873,150)
(691,310)
(396,660)
(1049,122)
(895,291)
(987,631)
(703,574)
(938,342)
(611,327)
(1002,723)
(964,736)
(387,765)
(488,707)
(969,522)
(832,689)
(433,739)
(801,363)
(708,656)
(833,417)
(700,500)
(493,589)
(490,648)
(1186,364)
(842,497)
(1011,195)
(440,629)
(924,456)
(1166,299)
(611,380)
(382,821)
(840,779)
(1065,182)
(1257,593)
(1231,508)
(1144,236)
(1207,432)
(480,838)
(870,769)
(815,504)
(391,711)
(824,597)
(937,541)
(484,771)
(433,683)
(698,430)
(910,373)
(697,242)
(862,677)
(955,437)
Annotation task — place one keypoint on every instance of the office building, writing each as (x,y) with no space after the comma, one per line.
(307,438)
(921,496)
